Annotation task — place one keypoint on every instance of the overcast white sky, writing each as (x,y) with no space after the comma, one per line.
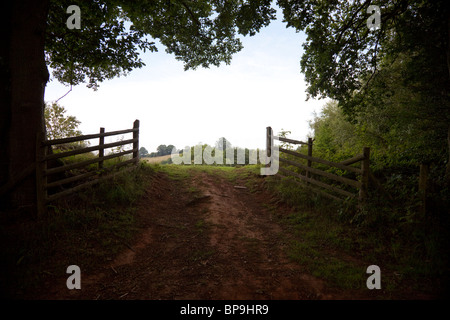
(261,87)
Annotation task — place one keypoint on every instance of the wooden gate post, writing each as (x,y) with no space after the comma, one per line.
(310,146)
(101,151)
(268,144)
(41,178)
(365,167)
(136,143)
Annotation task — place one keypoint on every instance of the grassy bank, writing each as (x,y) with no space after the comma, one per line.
(85,229)
(331,241)
(338,242)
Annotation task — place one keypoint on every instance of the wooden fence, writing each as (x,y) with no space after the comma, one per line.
(70,182)
(310,176)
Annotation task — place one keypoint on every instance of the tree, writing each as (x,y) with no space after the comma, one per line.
(161,150)
(59,126)
(143,152)
(342,57)
(223,144)
(347,61)
(112,33)
(335,138)
(169,149)
(405,116)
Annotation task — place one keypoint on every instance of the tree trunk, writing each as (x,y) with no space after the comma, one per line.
(23,92)
(5,96)
(447,169)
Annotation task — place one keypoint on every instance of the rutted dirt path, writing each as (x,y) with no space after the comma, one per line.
(203,238)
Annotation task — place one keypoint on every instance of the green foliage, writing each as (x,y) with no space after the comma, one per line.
(227,154)
(86,229)
(58,125)
(412,245)
(292,193)
(168,161)
(102,49)
(143,152)
(124,190)
(162,150)
(397,148)
(395,226)
(114,32)
(340,273)
(335,138)
(284,134)
(342,53)
(393,82)
(403,119)
(223,144)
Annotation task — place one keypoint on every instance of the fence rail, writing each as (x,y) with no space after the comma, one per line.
(311,174)
(65,184)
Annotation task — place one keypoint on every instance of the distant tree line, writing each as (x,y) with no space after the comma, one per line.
(222,144)
(162,150)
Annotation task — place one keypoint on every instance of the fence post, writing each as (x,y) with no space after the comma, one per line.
(41,178)
(136,143)
(268,144)
(365,167)
(423,178)
(310,146)
(101,151)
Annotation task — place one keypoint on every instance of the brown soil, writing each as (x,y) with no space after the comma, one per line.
(220,242)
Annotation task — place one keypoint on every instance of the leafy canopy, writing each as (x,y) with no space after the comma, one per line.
(342,55)
(392,83)
(143,152)
(114,32)
(59,125)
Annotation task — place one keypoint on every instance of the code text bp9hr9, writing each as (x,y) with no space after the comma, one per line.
(246,309)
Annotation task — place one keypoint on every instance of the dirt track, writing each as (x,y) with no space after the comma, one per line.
(203,238)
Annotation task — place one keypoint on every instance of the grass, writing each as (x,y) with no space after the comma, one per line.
(338,272)
(338,243)
(318,244)
(327,239)
(86,229)
(156,159)
(228,173)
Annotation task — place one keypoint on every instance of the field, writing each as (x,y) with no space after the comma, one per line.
(156,159)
